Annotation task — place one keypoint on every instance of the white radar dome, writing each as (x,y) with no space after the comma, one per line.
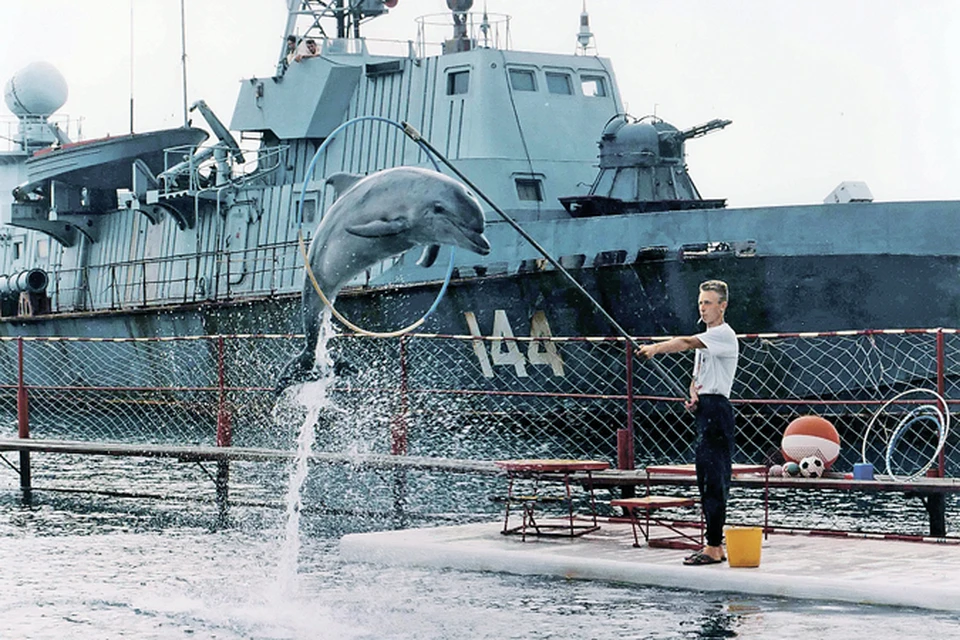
(36,90)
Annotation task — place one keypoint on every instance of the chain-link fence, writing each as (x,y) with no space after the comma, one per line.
(472,397)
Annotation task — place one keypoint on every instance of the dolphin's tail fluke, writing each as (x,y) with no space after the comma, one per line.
(303,368)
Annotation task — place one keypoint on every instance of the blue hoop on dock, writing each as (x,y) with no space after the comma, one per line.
(306,262)
(921,413)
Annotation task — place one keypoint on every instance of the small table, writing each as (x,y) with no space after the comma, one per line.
(538,470)
(736,470)
(649,504)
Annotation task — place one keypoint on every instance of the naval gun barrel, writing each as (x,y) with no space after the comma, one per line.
(29,281)
(704,129)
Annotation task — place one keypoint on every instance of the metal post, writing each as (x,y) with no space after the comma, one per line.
(226,256)
(273,270)
(625,444)
(940,390)
(626,455)
(398,427)
(186,279)
(224,433)
(143,283)
(23,420)
(398,440)
(113,287)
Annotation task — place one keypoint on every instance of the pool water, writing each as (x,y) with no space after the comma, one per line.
(99,564)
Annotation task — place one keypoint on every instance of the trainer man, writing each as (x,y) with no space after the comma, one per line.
(714,367)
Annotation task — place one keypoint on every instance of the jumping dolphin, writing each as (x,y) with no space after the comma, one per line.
(373,218)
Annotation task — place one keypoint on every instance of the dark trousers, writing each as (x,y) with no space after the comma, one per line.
(715,430)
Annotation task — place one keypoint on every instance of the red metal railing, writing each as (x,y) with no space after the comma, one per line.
(176,387)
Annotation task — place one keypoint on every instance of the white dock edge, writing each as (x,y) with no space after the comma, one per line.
(867,571)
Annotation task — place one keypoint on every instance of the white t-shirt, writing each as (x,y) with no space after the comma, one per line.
(715,366)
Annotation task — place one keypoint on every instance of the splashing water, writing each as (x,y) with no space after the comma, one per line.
(311,396)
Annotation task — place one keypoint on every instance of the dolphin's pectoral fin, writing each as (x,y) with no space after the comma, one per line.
(379,228)
(429,255)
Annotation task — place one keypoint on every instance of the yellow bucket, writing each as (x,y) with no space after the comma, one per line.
(743,546)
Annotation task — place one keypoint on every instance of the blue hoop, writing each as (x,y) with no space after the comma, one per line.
(303,194)
(923,413)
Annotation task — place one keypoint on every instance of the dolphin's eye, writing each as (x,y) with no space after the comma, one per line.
(437,207)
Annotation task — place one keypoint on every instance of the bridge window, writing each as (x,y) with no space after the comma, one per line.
(529,189)
(522,80)
(458,82)
(593,86)
(559,83)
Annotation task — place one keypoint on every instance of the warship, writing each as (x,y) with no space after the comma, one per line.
(180,232)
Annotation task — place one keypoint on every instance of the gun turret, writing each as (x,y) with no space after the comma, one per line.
(643,168)
(704,129)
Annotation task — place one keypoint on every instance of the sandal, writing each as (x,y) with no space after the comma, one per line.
(723,558)
(700,558)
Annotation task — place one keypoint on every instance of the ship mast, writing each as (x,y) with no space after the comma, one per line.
(183,57)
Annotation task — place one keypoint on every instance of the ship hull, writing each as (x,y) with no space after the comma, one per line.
(768,294)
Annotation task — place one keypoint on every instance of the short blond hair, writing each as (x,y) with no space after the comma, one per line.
(717,286)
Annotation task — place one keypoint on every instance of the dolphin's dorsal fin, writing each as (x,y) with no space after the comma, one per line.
(342,181)
(429,255)
(379,228)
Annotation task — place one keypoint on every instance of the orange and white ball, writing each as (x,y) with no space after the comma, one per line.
(811,436)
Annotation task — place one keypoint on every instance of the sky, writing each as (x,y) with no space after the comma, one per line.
(819,91)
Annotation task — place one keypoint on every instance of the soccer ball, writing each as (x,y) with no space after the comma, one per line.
(811,467)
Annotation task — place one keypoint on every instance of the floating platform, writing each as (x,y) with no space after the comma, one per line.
(866,571)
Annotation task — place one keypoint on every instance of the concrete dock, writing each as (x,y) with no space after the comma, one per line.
(869,571)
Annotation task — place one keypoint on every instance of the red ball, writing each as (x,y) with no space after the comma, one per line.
(811,436)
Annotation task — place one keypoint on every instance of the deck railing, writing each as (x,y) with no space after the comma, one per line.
(264,270)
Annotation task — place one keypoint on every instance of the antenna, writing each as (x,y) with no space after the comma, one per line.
(585,36)
(131,66)
(485,27)
(183,58)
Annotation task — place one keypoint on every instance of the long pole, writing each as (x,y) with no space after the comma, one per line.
(131,66)
(664,374)
(183,59)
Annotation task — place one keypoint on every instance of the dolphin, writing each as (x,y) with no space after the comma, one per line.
(373,218)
